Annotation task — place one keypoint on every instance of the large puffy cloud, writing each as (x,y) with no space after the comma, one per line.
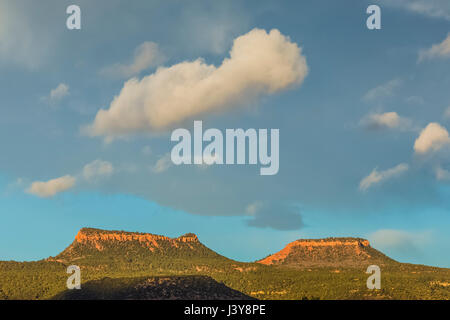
(377,177)
(433,138)
(259,63)
(440,50)
(145,56)
(277,216)
(45,189)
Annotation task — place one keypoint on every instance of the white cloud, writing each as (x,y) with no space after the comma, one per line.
(259,63)
(433,138)
(91,171)
(164,163)
(440,50)
(61,91)
(96,169)
(442,174)
(377,177)
(382,91)
(430,8)
(45,189)
(146,55)
(389,120)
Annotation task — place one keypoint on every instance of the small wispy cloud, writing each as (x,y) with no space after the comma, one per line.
(50,188)
(96,169)
(439,9)
(387,120)
(377,177)
(90,173)
(382,91)
(415,100)
(146,55)
(57,94)
(440,50)
(163,164)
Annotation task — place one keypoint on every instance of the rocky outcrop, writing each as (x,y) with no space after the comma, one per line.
(326,252)
(98,236)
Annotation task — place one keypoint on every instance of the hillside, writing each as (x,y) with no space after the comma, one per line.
(154,288)
(119,264)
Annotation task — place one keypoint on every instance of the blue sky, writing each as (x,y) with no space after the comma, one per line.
(364,146)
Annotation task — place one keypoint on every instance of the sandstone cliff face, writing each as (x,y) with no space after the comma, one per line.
(333,252)
(98,238)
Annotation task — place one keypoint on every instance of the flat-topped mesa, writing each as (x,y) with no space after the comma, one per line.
(325,252)
(91,245)
(91,235)
(101,239)
(332,242)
